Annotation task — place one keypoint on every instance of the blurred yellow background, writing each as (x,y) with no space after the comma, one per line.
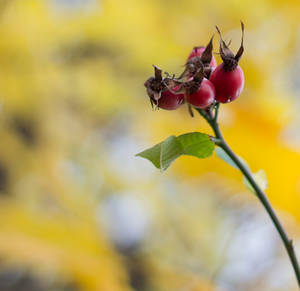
(78,211)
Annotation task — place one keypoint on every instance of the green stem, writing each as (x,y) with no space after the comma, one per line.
(288,243)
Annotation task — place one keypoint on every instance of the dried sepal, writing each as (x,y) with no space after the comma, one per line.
(190,109)
(207,72)
(157,73)
(195,63)
(174,85)
(154,85)
(199,75)
(207,54)
(225,51)
(171,83)
(191,68)
(151,102)
(229,59)
(194,83)
(241,49)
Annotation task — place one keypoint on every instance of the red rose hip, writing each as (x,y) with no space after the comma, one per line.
(228,84)
(228,77)
(169,100)
(160,94)
(204,97)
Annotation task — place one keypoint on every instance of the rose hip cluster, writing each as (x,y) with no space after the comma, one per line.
(203,82)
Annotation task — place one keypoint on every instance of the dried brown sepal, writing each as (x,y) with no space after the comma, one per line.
(191,68)
(229,59)
(190,109)
(194,64)
(207,54)
(241,49)
(171,84)
(193,85)
(198,77)
(155,85)
(157,73)
(151,102)
(207,72)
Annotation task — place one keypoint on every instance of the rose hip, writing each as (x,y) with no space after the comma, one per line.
(163,91)
(204,96)
(228,84)
(170,101)
(228,77)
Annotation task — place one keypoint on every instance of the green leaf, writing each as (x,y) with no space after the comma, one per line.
(260,178)
(194,144)
(152,154)
(171,149)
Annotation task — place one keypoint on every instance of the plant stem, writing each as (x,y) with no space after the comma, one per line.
(288,243)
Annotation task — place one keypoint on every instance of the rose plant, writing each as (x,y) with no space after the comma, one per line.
(203,86)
